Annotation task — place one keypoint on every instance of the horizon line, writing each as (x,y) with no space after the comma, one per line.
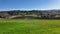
(26,9)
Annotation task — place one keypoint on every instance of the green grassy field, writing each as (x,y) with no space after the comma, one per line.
(29,26)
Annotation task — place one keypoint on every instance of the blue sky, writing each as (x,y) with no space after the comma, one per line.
(29,4)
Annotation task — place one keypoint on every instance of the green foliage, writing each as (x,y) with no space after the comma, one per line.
(25,26)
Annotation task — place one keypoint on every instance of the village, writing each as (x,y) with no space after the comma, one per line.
(38,14)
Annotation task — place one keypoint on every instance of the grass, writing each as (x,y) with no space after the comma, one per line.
(29,26)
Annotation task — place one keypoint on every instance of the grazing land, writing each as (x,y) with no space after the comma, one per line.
(29,26)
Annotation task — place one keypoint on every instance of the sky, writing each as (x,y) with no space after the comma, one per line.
(29,4)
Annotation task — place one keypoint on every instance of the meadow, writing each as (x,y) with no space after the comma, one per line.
(29,26)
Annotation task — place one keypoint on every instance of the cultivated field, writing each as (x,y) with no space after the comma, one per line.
(29,26)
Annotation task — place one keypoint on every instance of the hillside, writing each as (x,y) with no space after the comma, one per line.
(37,13)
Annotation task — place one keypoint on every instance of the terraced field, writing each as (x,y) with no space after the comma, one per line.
(29,26)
